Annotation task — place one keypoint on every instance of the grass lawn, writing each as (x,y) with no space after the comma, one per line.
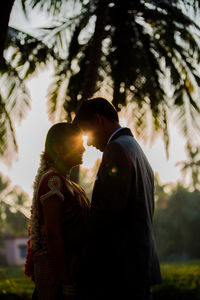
(13,282)
(181,281)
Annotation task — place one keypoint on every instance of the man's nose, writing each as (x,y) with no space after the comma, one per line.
(89,141)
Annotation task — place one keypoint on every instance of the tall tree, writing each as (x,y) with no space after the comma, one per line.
(131,47)
(95,51)
(141,52)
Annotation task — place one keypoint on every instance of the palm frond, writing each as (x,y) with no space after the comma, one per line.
(26,53)
(51,6)
(8,144)
(15,103)
(182,117)
(54,106)
(64,33)
(23,5)
(74,46)
(181,54)
(16,94)
(57,93)
(144,42)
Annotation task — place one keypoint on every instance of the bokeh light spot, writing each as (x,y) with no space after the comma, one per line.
(113,171)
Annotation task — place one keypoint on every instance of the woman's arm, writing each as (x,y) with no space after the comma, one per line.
(52,209)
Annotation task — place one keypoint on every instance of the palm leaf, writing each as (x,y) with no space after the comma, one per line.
(65,31)
(8,144)
(51,6)
(15,103)
(74,46)
(142,41)
(57,93)
(27,53)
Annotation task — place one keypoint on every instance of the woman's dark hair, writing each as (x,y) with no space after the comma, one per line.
(94,106)
(57,136)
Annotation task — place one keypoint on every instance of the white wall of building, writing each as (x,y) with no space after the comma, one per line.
(15,250)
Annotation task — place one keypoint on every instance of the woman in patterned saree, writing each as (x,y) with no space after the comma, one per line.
(58,206)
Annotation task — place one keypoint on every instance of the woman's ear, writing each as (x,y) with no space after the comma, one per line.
(57,149)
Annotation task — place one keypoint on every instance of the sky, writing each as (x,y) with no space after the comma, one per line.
(32,131)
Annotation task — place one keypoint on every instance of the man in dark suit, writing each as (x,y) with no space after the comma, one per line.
(121,258)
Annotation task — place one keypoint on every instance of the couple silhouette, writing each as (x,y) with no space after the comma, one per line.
(99,250)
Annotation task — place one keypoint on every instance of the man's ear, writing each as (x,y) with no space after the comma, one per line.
(97,120)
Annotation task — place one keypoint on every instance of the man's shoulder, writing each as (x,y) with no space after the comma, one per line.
(118,149)
(123,142)
(127,145)
(124,137)
(115,145)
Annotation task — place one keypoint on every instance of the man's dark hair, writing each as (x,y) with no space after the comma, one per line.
(94,106)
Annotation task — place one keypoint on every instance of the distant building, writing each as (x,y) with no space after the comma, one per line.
(15,250)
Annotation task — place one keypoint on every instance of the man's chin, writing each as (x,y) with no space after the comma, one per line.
(79,162)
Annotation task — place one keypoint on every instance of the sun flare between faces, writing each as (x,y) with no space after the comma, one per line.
(90,155)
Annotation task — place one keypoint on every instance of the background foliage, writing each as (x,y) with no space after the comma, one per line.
(14,211)
(177,222)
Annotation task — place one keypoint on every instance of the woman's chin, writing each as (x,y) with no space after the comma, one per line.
(78,162)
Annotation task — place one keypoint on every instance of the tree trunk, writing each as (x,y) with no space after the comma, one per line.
(94,62)
(5,10)
(95,51)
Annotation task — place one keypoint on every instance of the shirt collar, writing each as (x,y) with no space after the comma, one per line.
(114,134)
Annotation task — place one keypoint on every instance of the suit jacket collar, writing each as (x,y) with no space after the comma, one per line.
(123,131)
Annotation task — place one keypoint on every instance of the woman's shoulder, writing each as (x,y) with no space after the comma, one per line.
(51,181)
(51,177)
